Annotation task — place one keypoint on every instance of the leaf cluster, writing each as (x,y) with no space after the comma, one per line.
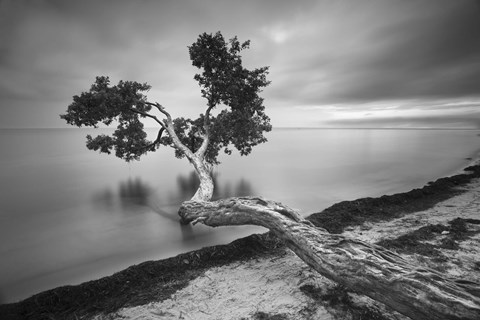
(107,104)
(224,81)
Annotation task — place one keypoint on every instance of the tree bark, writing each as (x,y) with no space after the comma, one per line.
(205,189)
(368,269)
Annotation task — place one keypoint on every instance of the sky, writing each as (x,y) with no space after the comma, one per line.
(333,63)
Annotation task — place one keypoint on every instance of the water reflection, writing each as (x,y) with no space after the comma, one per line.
(188,184)
(134,191)
(132,196)
(135,196)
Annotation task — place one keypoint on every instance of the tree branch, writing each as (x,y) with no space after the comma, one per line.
(157,140)
(368,269)
(167,125)
(148,115)
(171,132)
(206,137)
(160,108)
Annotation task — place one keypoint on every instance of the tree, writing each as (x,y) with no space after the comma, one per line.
(225,84)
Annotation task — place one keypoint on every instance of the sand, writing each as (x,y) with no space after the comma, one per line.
(238,291)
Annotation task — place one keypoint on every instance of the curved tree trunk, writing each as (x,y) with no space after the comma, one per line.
(197,159)
(205,189)
(374,271)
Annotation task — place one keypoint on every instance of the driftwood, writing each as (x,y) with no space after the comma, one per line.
(368,269)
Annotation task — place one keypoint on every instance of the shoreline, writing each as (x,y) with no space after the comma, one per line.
(157,281)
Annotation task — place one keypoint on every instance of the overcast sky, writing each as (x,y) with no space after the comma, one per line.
(333,63)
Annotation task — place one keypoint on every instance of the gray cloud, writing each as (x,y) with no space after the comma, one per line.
(437,57)
(426,49)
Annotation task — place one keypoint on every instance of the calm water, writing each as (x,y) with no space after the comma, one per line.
(69,215)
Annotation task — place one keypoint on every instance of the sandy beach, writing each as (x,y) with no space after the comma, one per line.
(258,278)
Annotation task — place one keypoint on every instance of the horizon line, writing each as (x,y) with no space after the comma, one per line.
(273,127)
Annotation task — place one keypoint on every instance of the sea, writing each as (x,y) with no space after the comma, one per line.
(69,215)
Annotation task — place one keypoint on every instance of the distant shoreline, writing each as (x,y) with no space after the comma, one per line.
(158,280)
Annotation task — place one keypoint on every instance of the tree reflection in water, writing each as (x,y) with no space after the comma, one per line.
(136,196)
(134,191)
(187,186)
(133,196)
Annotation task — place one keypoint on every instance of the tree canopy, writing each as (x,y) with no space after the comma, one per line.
(233,115)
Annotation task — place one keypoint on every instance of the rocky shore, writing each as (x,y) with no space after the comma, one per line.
(437,226)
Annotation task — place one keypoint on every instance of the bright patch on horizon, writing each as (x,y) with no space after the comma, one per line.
(398,113)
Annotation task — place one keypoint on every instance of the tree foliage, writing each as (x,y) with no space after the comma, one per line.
(234,113)
(107,104)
